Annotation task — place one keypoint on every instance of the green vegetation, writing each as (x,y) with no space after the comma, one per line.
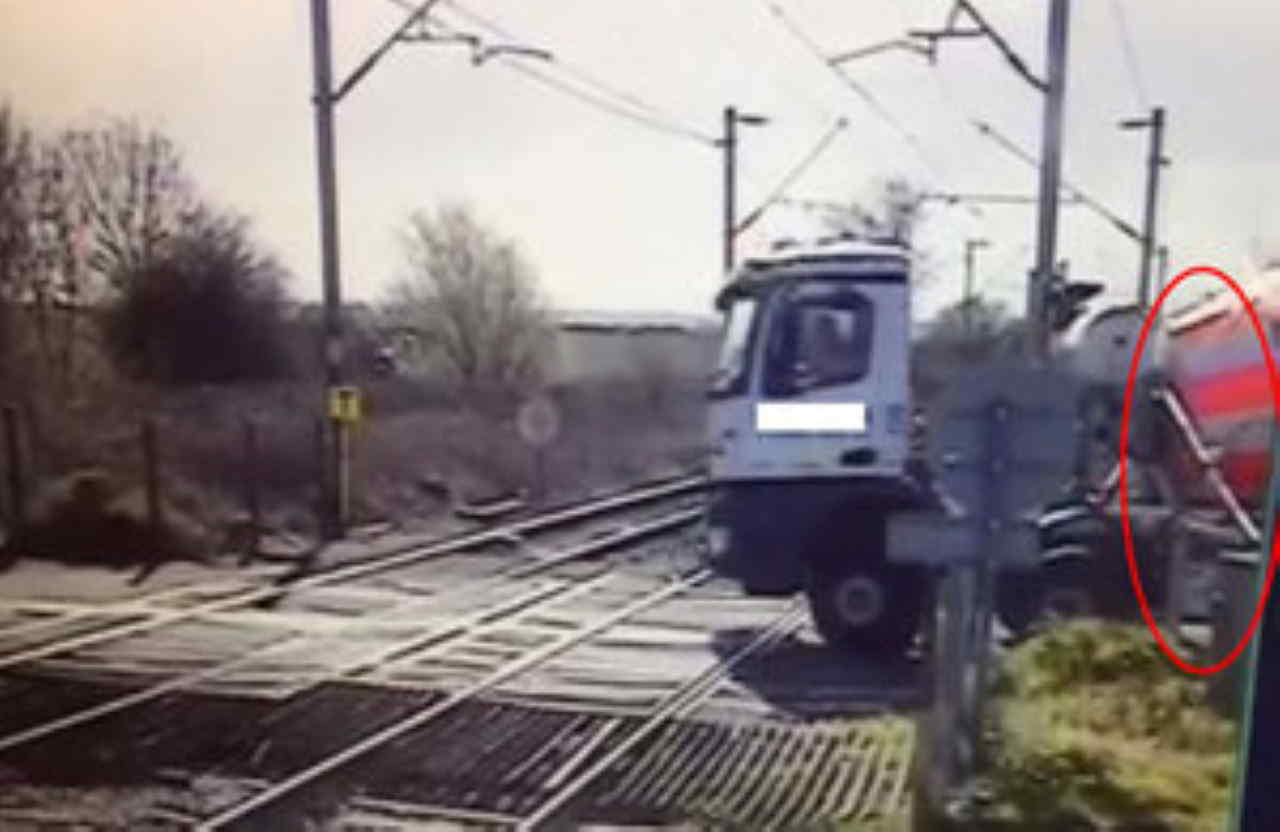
(1098,730)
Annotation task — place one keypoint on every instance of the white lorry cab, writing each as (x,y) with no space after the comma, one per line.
(811,425)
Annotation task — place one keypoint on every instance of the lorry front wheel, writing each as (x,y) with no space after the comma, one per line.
(876,612)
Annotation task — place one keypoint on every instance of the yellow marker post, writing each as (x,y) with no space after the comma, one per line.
(345,405)
(344,412)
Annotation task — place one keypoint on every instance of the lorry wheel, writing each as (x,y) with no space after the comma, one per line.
(1057,592)
(876,612)
(1018,602)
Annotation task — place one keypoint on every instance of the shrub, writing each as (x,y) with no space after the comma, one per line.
(206,310)
(1096,723)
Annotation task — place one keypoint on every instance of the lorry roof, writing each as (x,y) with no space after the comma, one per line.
(833,249)
(853,259)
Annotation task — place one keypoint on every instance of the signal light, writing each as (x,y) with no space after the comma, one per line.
(1065,302)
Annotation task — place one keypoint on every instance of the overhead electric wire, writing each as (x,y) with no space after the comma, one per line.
(791,177)
(629,109)
(945,93)
(578,73)
(795,89)
(653,117)
(1010,54)
(607,106)
(1130,54)
(867,97)
(417,13)
(1009,145)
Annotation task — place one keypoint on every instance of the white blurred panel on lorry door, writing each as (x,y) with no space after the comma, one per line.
(844,344)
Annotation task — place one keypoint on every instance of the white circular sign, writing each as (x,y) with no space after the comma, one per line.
(538,421)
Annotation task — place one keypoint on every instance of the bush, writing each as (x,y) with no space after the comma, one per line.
(90,517)
(207,310)
(1096,723)
(1082,653)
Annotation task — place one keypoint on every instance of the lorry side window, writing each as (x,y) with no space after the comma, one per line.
(733,363)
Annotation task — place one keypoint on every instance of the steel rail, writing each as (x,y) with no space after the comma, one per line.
(462,626)
(416,720)
(689,695)
(186,680)
(386,561)
(65,613)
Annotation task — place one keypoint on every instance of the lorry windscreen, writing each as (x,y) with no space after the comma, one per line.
(821,337)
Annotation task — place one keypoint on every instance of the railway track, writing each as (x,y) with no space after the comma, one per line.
(571,681)
(32,641)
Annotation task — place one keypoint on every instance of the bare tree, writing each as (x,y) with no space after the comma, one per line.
(128,186)
(58,278)
(207,307)
(986,320)
(40,272)
(472,298)
(15,238)
(948,342)
(15,177)
(80,215)
(896,210)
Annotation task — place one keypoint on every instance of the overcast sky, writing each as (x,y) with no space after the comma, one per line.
(614,215)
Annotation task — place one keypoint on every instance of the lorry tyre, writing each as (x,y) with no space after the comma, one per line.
(1060,590)
(872,611)
(1017,601)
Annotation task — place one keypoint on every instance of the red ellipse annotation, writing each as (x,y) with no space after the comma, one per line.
(1230,658)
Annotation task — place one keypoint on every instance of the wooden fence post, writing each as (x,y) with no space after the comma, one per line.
(1236,595)
(153,556)
(252,506)
(323,515)
(152,474)
(17,478)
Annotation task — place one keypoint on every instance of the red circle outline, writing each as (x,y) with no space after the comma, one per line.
(1230,658)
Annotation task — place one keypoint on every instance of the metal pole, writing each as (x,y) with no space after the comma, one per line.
(1154,163)
(1050,178)
(730,186)
(151,474)
(342,437)
(970,247)
(967,307)
(252,505)
(17,482)
(1162,268)
(995,428)
(323,101)
(319,431)
(1250,793)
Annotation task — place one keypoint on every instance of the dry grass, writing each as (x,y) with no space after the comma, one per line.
(416,434)
(612,434)
(89,518)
